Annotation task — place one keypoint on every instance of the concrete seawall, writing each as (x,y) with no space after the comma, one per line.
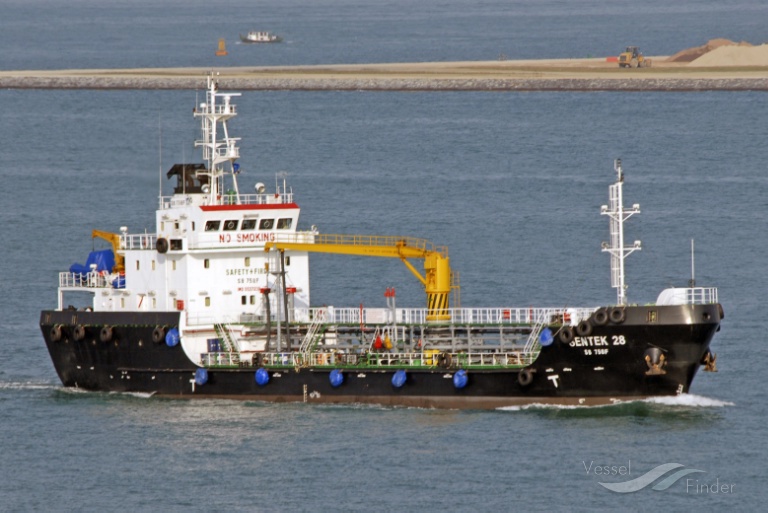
(480,76)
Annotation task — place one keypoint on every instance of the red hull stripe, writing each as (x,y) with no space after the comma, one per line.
(266,206)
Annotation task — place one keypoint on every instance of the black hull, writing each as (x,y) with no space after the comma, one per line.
(610,364)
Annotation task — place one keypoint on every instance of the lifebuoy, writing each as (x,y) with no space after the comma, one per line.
(525,377)
(161,245)
(56,333)
(158,334)
(600,317)
(106,333)
(444,360)
(618,315)
(566,335)
(79,333)
(583,329)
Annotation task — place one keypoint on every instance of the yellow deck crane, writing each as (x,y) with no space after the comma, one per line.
(114,239)
(438,279)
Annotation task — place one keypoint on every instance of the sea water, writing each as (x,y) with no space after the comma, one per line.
(512,183)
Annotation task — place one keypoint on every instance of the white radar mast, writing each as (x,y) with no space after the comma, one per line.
(218,148)
(618,214)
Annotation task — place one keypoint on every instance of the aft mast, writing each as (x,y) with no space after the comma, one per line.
(218,148)
(618,214)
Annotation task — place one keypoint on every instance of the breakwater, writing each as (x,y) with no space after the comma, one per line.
(472,80)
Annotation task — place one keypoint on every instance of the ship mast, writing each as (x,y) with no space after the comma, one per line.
(618,214)
(218,151)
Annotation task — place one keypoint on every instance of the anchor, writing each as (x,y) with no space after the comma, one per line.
(709,361)
(656,361)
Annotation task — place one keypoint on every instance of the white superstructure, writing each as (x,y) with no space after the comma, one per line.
(207,256)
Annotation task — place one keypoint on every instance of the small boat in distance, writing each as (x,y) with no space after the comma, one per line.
(260,37)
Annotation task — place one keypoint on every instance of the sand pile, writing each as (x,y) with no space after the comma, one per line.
(691,54)
(734,56)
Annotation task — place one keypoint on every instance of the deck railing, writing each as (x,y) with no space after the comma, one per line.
(426,359)
(498,315)
(89,280)
(175,201)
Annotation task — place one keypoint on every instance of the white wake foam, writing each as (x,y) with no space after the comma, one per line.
(689,400)
(683,400)
(27,385)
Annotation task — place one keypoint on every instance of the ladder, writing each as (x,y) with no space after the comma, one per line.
(227,344)
(533,338)
(306,344)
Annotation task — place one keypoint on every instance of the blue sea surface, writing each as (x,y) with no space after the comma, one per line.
(512,183)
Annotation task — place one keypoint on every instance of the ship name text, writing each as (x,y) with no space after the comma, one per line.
(597,341)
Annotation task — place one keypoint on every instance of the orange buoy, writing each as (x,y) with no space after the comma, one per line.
(222,48)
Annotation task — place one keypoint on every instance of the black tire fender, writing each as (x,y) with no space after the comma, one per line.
(161,245)
(566,335)
(600,317)
(525,377)
(56,332)
(584,329)
(106,333)
(618,314)
(158,334)
(79,332)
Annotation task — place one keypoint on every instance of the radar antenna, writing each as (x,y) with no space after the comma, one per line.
(618,214)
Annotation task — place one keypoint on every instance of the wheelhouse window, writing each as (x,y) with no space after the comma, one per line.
(230,225)
(248,224)
(212,226)
(285,223)
(266,224)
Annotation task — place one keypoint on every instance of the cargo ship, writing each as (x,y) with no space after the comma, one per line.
(216,304)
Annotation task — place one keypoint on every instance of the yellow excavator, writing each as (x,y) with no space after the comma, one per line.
(632,58)
(114,240)
(438,279)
